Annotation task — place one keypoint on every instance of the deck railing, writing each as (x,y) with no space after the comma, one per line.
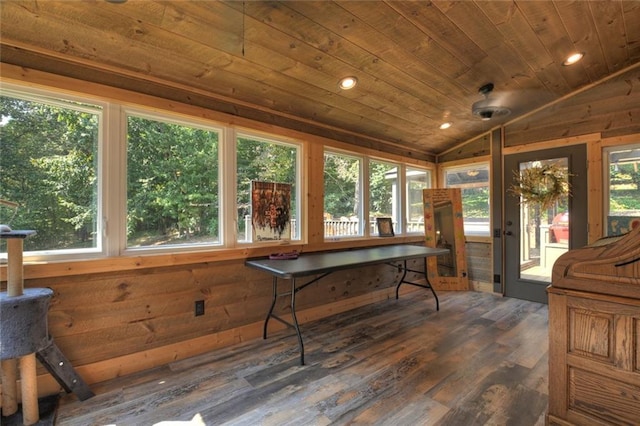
(340,228)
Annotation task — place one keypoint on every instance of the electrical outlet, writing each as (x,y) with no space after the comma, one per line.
(199,307)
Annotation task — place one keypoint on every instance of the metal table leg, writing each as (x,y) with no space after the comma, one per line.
(293,324)
(295,319)
(404,275)
(426,277)
(273,304)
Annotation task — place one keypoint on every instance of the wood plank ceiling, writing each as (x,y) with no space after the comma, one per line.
(418,63)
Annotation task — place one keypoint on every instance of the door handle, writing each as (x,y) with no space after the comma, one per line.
(508,233)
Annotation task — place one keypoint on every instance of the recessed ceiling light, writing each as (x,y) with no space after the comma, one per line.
(573,58)
(445,125)
(348,83)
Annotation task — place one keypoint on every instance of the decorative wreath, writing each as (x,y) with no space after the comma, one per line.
(542,185)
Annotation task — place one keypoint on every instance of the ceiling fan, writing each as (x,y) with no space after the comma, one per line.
(489,107)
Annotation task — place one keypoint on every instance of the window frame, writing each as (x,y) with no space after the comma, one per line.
(179,120)
(397,193)
(299,179)
(483,165)
(406,207)
(361,193)
(64,100)
(111,173)
(400,215)
(606,187)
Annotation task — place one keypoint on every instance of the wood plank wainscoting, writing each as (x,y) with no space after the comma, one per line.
(479,265)
(482,359)
(112,324)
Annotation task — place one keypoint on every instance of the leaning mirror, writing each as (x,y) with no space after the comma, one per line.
(443,227)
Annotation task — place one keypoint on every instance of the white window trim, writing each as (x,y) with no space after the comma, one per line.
(606,188)
(362,194)
(468,166)
(405,198)
(301,202)
(227,181)
(398,214)
(175,119)
(111,173)
(52,97)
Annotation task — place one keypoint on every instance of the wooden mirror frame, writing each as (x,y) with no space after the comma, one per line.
(432,199)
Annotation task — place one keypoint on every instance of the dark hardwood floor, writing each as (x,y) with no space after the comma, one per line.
(480,360)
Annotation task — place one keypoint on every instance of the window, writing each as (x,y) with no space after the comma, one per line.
(622,202)
(342,195)
(169,196)
(474,183)
(383,194)
(172,183)
(416,181)
(49,163)
(345,203)
(263,160)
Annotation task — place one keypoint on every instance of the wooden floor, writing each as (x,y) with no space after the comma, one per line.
(481,359)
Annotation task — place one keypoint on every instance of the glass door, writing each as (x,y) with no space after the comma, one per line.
(535,234)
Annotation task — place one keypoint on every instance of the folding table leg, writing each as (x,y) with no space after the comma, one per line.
(295,319)
(426,277)
(273,304)
(428,285)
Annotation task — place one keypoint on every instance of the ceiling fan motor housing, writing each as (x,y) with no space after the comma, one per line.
(488,108)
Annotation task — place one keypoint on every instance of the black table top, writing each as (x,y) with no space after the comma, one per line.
(318,263)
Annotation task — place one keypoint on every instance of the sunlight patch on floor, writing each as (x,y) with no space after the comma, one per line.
(195,421)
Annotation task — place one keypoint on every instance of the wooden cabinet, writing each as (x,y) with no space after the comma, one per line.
(594,335)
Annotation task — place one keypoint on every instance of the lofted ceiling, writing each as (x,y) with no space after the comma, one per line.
(418,63)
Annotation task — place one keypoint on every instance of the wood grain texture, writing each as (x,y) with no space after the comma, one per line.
(393,362)
(593,343)
(610,107)
(95,318)
(479,262)
(418,63)
(447,272)
(473,149)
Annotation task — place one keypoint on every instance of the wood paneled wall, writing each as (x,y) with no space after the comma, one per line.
(479,265)
(117,316)
(112,324)
(475,148)
(611,108)
(98,317)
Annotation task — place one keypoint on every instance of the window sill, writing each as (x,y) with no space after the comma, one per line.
(37,270)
